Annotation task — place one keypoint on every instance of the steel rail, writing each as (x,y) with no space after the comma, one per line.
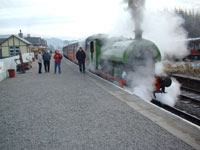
(191,90)
(193,101)
(178,112)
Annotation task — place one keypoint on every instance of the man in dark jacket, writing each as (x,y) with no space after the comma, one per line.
(46,58)
(80,56)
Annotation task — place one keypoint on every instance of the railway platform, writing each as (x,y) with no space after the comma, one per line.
(83,112)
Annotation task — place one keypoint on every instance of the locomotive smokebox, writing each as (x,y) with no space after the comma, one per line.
(138,34)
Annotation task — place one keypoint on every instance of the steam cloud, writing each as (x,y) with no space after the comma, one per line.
(171,97)
(165,30)
(136,8)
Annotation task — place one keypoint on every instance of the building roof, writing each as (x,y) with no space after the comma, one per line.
(2,40)
(34,40)
(24,40)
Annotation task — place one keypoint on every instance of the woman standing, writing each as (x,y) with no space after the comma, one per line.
(40,62)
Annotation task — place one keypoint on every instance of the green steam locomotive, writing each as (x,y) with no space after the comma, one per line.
(116,58)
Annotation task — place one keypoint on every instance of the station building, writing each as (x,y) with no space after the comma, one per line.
(12,45)
(37,43)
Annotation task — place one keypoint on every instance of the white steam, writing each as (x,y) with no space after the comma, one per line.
(136,8)
(165,29)
(171,97)
(159,68)
(144,88)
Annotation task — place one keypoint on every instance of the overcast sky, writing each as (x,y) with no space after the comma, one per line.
(68,19)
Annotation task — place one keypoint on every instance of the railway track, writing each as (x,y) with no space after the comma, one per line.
(190,96)
(189,99)
(188,106)
(188,82)
(178,112)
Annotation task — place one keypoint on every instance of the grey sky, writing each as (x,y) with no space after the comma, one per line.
(70,18)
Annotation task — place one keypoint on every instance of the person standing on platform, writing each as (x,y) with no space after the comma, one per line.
(57,57)
(40,62)
(46,58)
(80,56)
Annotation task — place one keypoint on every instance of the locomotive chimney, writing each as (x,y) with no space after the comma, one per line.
(138,34)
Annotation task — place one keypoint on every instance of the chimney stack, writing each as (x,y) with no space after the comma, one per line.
(138,34)
(20,34)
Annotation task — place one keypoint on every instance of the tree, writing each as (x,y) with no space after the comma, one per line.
(192,22)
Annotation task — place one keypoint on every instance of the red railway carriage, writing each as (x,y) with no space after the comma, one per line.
(194,48)
(69,51)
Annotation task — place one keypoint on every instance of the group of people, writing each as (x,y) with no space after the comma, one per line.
(45,58)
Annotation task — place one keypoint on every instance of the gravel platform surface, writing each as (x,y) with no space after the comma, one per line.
(68,111)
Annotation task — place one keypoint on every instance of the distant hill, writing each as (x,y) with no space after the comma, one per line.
(5,36)
(55,42)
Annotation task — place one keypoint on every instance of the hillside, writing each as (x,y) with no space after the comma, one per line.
(55,42)
(5,36)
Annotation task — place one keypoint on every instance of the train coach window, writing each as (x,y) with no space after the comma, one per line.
(76,47)
(92,49)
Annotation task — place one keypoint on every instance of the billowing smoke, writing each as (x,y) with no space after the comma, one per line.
(171,96)
(141,64)
(142,83)
(172,93)
(164,28)
(141,77)
(136,8)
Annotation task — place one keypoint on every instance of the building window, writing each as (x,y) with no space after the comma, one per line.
(14,50)
(0,53)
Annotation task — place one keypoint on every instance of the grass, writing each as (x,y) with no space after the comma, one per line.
(185,68)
